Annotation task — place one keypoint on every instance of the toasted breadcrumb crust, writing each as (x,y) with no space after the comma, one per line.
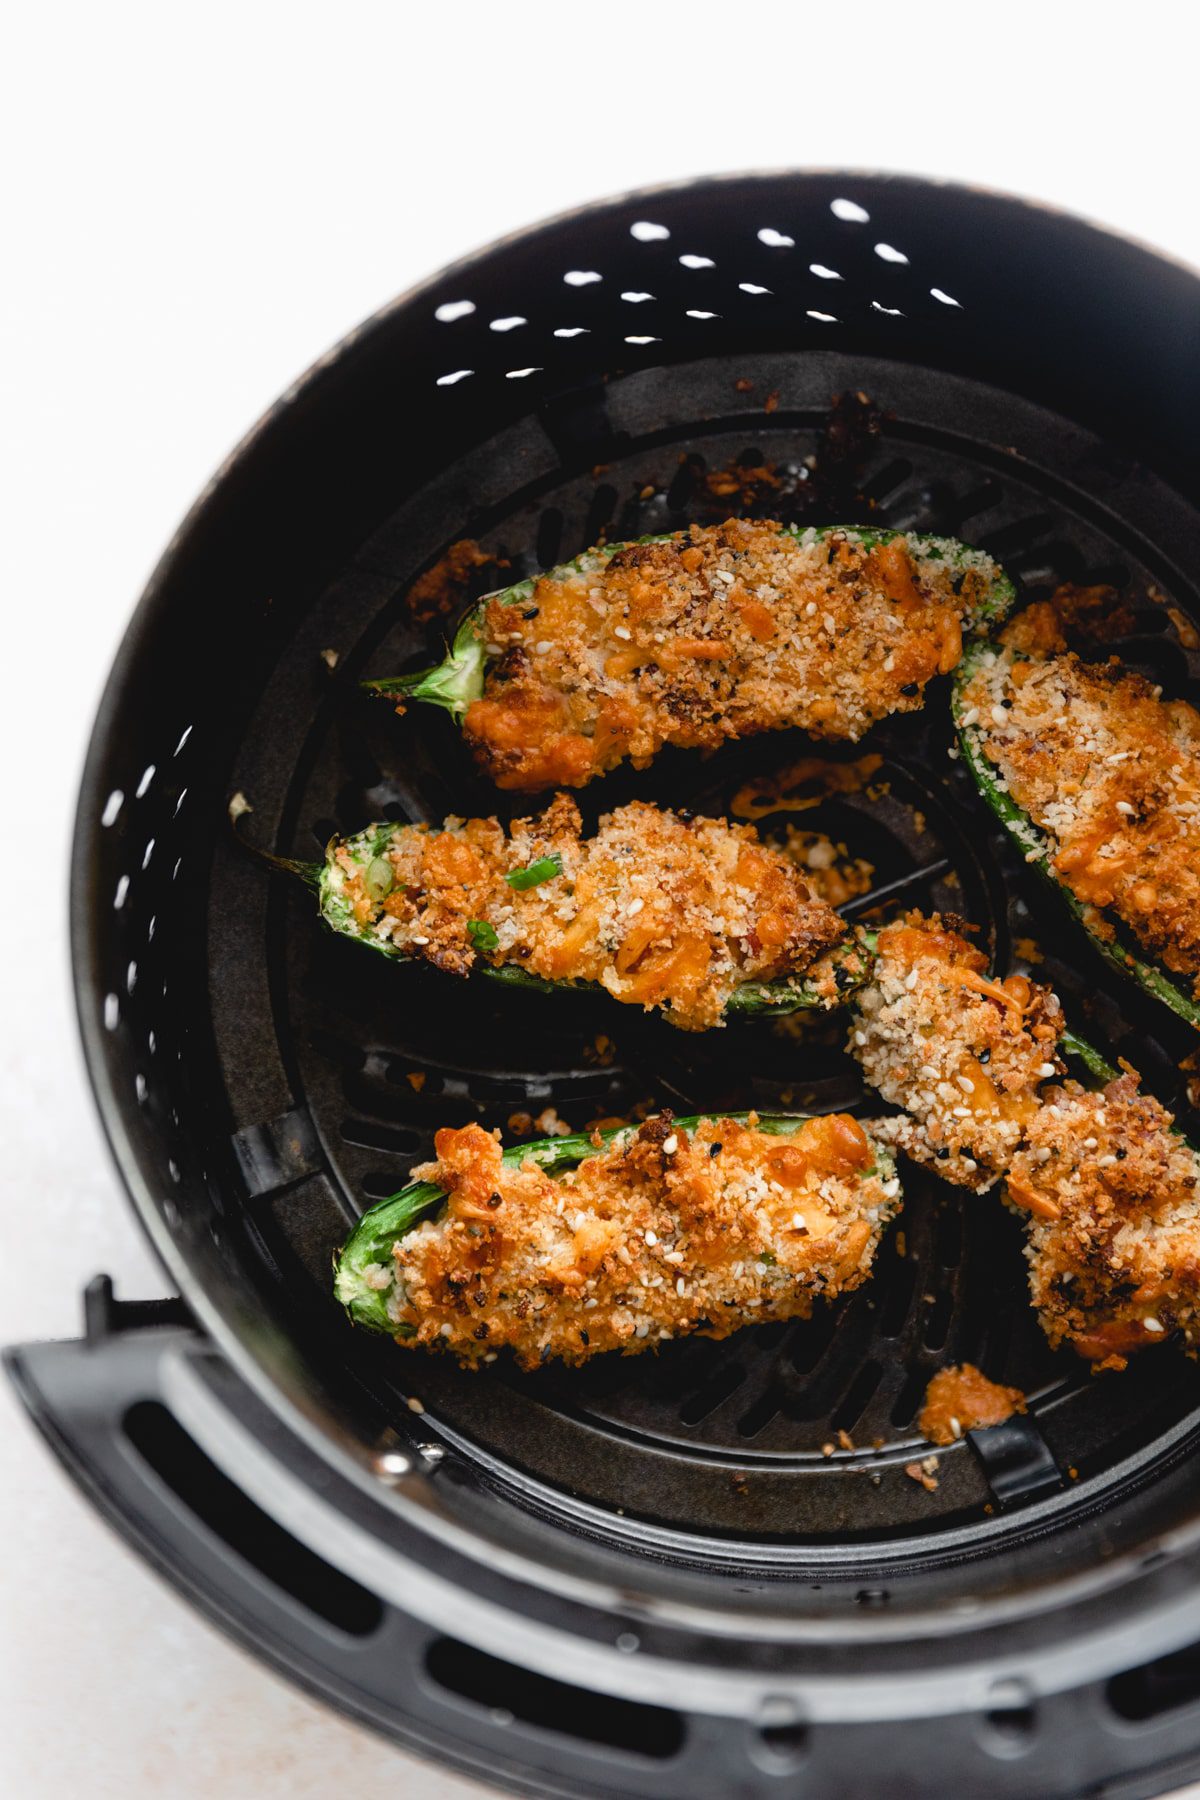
(1112,1195)
(717,633)
(660,908)
(963,1054)
(1109,771)
(662,1234)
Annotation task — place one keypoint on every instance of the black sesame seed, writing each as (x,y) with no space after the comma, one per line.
(910,688)
(481,1330)
(530,613)
(715,1149)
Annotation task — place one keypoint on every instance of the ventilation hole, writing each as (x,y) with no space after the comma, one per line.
(147,853)
(112,1012)
(381,1184)
(519,374)
(549,537)
(628,1642)
(945,298)
(151,928)
(1013,1725)
(582,277)
(187,732)
(780,1746)
(454,309)
(825,273)
(112,807)
(697,262)
(603,505)
(893,312)
(810,1341)
(370,1136)
(635,296)
(250,1533)
(854,1405)
(139,1088)
(706,1399)
(948,1244)
(131,975)
(119,896)
(694,313)
(643,340)
(938,1323)
(454,375)
(630,1727)
(151,1043)
(824,318)
(173,1170)
(756,1417)
(850,211)
(570,331)
(752,287)
(507,324)
(888,479)
(1157,1687)
(648,233)
(776,239)
(898,1298)
(182,797)
(144,783)
(890,254)
(910,1397)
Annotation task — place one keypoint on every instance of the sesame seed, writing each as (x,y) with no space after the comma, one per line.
(634,907)
(651,1238)
(910,980)
(623,632)
(670,1145)
(1127,811)
(965,1083)
(1046,1070)
(673,1256)
(828,622)
(810,611)
(420,940)
(999,716)
(1153,1324)
(960,1112)
(680,1286)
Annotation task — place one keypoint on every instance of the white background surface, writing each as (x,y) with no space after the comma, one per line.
(198,201)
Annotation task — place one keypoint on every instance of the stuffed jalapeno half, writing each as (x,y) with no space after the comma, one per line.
(710,634)
(622,1240)
(664,910)
(1107,1187)
(1097,779)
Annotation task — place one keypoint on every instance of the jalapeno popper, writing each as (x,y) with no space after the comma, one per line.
(663,910)
(620,1241)
(1097,778)
(713,633)
(1110,1192)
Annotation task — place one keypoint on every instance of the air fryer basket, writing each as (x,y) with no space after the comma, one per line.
(663,1574)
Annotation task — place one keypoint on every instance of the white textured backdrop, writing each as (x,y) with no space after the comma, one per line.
(197,201)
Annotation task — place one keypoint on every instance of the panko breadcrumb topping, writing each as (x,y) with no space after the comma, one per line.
(662,909)
(717,633)
(1112,1196)
(1109,772)
(965,1055)
(663,1233)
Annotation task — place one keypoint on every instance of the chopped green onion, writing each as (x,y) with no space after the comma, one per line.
(544,869)
(380,878)
(482,935)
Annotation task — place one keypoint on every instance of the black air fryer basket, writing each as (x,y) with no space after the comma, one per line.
(662,1575)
